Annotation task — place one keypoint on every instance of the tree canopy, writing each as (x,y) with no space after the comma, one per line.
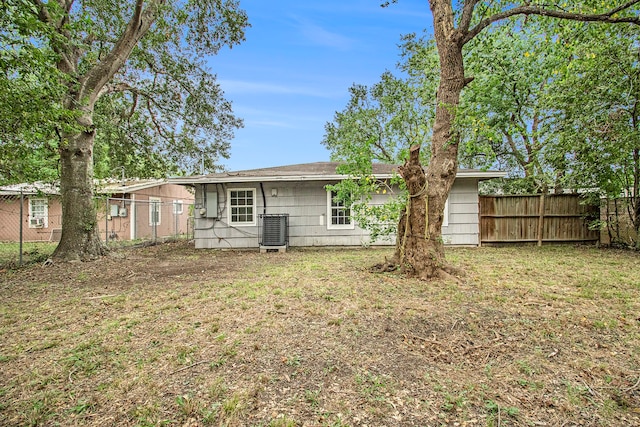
(506,119)
(161,112)
(123,83)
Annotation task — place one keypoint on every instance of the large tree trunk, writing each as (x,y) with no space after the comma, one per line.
(420,248)
(635,192)
(80,240)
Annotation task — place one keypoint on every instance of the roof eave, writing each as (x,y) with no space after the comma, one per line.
(132,188)
(481,175)
(243,179)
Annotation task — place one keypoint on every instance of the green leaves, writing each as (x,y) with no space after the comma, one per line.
(379,125)
(503,108)
(159,114)
(31,89)
(598,95)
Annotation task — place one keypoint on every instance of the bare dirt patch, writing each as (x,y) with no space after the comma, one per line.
(170,335)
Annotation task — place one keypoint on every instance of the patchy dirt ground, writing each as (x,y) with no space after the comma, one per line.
(168,335)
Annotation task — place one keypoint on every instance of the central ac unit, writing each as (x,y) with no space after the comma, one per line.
(275,230)
(37,222)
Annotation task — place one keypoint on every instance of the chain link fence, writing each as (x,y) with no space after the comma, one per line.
(126,221)
(31,225)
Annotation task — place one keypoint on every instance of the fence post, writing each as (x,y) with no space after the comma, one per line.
(176,217)
(541,219)
(106,222)
(21,226)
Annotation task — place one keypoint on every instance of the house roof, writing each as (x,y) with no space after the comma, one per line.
(113,186)
(44,188)
(109,186)
(319,171)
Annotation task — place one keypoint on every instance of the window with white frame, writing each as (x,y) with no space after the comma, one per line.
(38,213)
(338,215)
(242,206)
(178,207)
(154,210)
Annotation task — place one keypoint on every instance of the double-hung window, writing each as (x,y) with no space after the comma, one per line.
(338,215)
(38,213)
(242,206)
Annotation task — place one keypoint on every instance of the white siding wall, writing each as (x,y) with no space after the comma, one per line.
(463,226)
(306,204)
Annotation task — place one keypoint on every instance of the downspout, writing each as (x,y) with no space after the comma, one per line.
(264,200)
(204,197)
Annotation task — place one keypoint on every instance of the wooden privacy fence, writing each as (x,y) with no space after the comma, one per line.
(546,218)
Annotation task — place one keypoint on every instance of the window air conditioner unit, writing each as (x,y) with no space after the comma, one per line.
(275,230)
(37,222)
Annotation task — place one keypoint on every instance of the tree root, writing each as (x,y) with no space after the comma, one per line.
(386,267)
(445,272)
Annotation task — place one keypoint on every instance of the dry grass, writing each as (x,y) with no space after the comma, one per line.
(172,336)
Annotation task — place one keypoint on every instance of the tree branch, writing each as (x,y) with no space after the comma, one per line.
(134,105)
(43,13)
(467,14)
(622,7)
(158,71)
(155,121)
(66,6)
(65,64)
(541,11)
(117,87)
(136,28)
(383,151)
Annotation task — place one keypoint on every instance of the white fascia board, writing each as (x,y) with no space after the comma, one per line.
(481,174)
(243,179)
(293,178)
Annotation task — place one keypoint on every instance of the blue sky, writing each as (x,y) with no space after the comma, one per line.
(293,71)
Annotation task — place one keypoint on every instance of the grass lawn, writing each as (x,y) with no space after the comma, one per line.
(171,336)
(31,252)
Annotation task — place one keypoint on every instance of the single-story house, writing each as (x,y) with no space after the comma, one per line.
(40,215)
(291,206)
(127,210)
(143,209)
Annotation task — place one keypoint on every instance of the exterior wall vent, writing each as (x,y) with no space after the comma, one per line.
(274,233)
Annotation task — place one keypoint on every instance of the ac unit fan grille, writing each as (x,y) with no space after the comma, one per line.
(275,230)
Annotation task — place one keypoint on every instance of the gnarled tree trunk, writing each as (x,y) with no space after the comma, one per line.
(420,248)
